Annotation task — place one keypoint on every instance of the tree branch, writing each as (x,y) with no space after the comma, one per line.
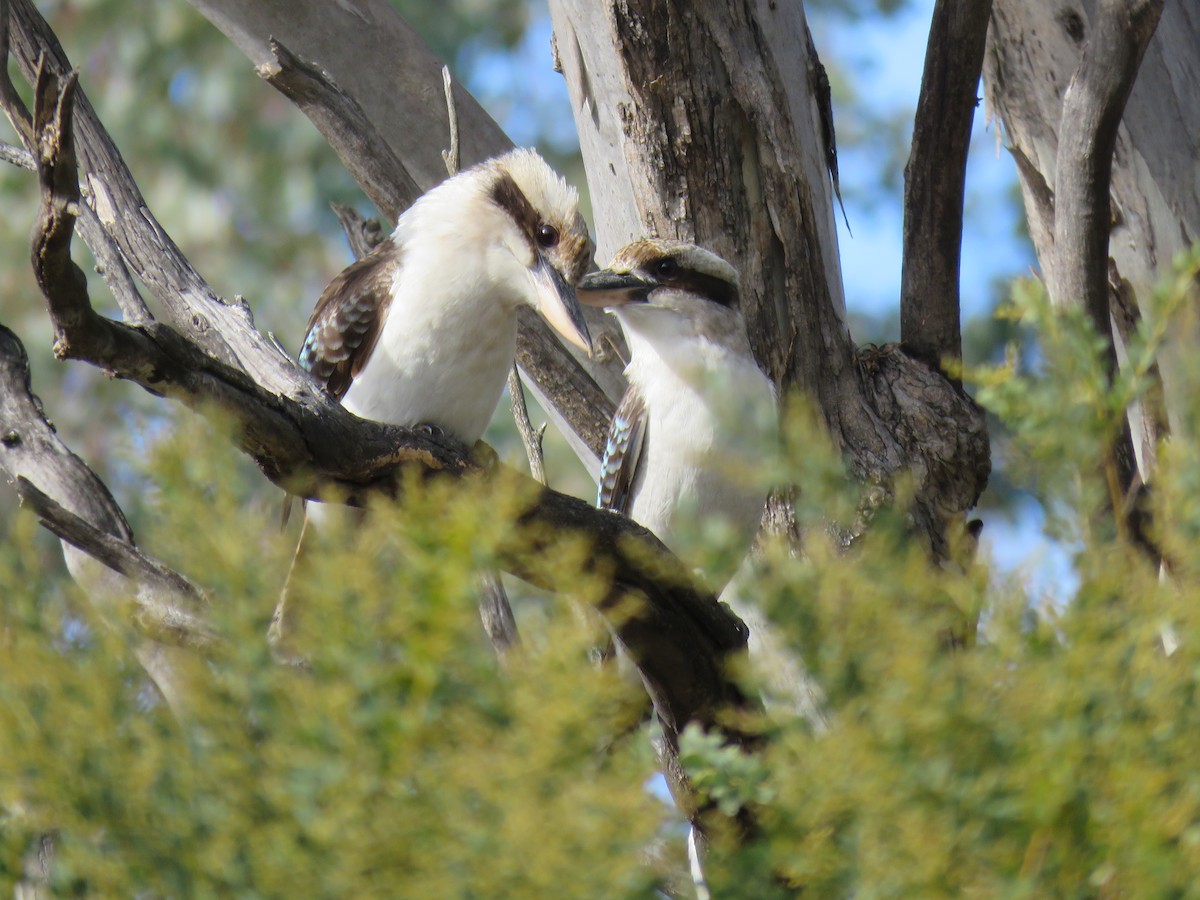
(531,437)
(1091,115)
(85,514)
(934,180)
(222,329)
(162,621)
(354,138)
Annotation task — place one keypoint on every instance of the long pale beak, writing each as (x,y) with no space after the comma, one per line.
(609,288)
(558,304)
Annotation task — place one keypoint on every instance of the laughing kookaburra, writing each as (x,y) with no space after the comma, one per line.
(686,444)
(422,330)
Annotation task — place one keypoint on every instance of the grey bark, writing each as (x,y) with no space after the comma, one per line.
(934,180)
(1033,52)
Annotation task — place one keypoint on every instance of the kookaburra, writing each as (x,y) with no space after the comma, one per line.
(687,441)
(422,330)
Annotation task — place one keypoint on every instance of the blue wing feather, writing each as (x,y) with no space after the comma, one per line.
(622,453)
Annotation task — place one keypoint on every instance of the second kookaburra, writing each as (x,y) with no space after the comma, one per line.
(423,329)
(687,442)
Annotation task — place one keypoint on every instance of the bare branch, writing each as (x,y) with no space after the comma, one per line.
(17,156)
(1091,114)
(160,620)
(111,267)
(495,611)
(934,180)
(353,137)
(451,157)
(84,513)
(531,437)
(14,107)
(223,329)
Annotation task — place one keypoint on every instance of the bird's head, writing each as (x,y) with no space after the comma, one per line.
(666,288)
(541,228)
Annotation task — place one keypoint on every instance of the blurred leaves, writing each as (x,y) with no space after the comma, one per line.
(403,761)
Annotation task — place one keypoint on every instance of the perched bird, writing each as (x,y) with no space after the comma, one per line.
(422,330)
(699,415)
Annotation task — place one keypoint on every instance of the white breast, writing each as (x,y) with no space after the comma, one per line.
(709,428)
(450,334)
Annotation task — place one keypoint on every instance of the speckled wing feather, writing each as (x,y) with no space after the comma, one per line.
(348,319)
(622,452)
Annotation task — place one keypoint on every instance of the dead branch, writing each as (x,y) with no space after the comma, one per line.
(531,437)
(353,137)
(934,180)
(73,503)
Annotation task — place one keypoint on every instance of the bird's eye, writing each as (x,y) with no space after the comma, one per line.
(547,235)
(665,268)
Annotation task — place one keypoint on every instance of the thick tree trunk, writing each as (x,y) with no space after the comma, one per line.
(1033,51)
(702,121)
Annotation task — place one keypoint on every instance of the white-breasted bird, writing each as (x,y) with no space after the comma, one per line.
(699,415)
(422,330)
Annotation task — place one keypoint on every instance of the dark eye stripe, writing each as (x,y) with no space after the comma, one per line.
(716,289)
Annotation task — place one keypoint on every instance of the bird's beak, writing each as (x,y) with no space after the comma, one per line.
(609,288)
(558,304)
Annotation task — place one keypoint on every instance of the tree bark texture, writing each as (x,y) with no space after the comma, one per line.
(701,121)
(1034,50)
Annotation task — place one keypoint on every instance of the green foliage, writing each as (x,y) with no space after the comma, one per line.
(1055,756)
(404,761)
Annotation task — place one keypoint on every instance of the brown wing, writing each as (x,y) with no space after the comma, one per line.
(348,319)
(622,453)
